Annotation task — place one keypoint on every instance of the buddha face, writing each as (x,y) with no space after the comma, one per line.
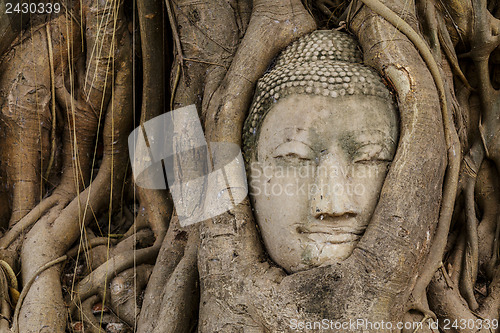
(317,173)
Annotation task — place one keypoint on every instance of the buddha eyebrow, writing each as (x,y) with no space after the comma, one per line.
(384,143)
(288,139)
(385,138)
(296,129)
(351,144)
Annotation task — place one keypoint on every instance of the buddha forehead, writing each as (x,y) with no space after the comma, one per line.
(313,111)
(324,63)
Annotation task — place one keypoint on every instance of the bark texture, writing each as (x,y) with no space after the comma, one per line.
(94,252)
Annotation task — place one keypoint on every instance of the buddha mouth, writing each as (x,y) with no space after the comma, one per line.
(331,234)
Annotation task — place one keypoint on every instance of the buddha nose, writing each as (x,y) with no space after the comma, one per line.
(332,194)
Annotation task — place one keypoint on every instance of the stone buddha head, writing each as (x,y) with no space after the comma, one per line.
(321,134)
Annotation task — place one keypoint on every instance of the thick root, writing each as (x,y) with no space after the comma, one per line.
(54,239)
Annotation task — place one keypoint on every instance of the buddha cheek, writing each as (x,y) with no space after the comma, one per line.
(366,191)
(280,207)
(286,199)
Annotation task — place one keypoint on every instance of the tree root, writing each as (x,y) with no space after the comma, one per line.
(89,245)
(174,278)
(447,303)
(453,146)
(125,289)
(53,98)
(6,301)
(30,107)
(159,210)
(274,24)
(472,163)
(12,286)
(171,253)
(24,115)
(183,284)
(487,196)
(490,308)
(95,282)
(456,259)
(438,36)
(27,287)
(29,219)
(495,249)
(106,248)
(486,39)
(86,315)
(5,316)
(51,240)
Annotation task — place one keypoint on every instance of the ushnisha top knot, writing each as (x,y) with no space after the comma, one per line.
(321,45)
(324,62)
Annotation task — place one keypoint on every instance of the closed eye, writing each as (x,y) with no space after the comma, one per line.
(294,150)
(293,155)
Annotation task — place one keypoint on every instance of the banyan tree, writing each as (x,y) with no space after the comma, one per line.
(369,133)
